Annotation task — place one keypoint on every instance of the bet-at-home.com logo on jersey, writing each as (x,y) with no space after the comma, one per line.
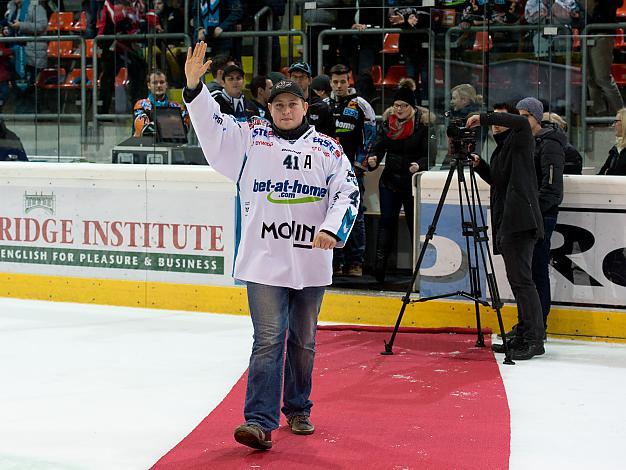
(289,192)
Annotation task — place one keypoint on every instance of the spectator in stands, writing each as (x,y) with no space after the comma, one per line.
(367,14)
(231,99)
(573,159)
(121,17)
(26,19)
(146,110)
(549,158)
(403,144)
(217,70)
(410,44)
(355,123)
(260,89)
(168,17)
(603,90)
(11,148)
(318,113)
(321,86)
(324,16)
(171,16)
(464,101)
(616,162)
(212,18)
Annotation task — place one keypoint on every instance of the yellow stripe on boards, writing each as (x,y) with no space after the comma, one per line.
(338,307)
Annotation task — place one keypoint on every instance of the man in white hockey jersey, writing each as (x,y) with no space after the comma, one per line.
(298,200)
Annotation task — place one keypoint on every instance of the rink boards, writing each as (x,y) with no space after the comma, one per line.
(165,237)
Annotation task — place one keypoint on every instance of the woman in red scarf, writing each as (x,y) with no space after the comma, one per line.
(403,143)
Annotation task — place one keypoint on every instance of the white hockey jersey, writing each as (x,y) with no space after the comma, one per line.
(287,192)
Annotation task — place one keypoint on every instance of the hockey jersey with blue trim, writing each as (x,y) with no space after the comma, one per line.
(288,191)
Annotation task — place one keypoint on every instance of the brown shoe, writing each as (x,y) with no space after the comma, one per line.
(252,435)
(301,424)
(355,270)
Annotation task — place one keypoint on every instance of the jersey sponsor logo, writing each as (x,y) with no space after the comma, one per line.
(345,126)
(302,235)
(262,132)
(350,112)
(329,144)
(217,118)
(289,192)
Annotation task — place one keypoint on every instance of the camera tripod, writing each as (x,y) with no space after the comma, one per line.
(478,254)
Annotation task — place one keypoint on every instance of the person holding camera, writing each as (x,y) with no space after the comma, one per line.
(299,199)
(516,219)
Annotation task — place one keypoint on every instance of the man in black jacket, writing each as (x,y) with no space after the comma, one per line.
(319,113)
(516,220)
(550,143)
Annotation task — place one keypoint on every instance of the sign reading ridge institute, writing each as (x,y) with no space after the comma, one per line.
(92,228)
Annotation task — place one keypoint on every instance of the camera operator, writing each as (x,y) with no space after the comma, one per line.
(515,218)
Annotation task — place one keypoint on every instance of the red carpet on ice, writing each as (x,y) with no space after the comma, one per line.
(438,403)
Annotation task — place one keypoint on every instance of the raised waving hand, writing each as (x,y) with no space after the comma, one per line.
(195,67)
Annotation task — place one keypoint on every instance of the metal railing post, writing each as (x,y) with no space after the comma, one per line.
(257,25)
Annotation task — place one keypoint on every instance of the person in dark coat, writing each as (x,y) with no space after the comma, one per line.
(402,142)
(11,148)
(550,145)
(573,158)
(516,219)
(616,162)
(231,99)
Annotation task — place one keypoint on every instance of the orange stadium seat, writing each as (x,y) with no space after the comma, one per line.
(619,73)
(61,21)
(394,75)
(81,24)
(72,81)
(619,39)
(483,42)
(121,79)
(60,49)
(377,75)
(390,43)
(50,79)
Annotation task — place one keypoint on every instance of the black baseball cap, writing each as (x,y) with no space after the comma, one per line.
(300,67)
(286,86)
(233,68)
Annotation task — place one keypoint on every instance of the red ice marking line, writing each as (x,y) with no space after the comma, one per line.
(437,403)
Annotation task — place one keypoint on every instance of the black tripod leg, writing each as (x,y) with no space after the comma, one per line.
(429,236)
(487,262)
(470,230)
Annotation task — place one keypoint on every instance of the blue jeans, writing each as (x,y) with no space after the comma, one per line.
(276,311)
(541,263)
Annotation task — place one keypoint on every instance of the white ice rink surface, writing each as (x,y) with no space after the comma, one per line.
(94,387)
